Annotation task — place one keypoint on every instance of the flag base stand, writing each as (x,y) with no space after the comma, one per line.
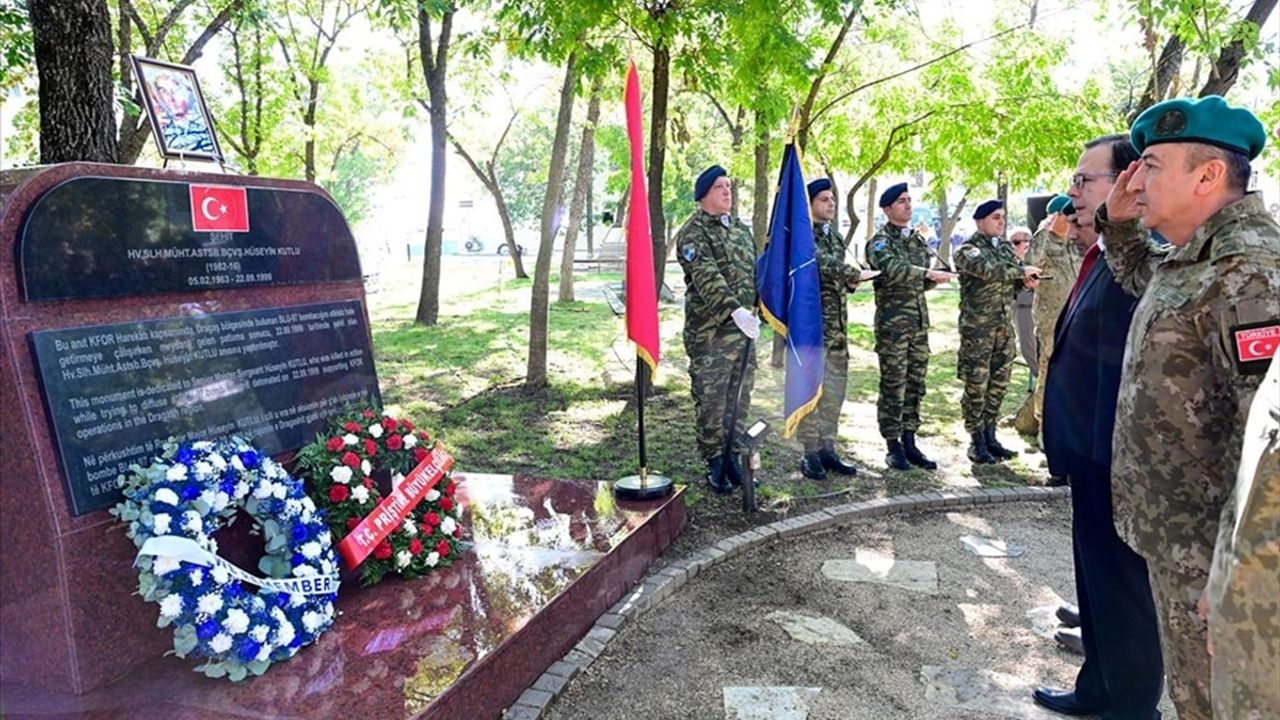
(649,487)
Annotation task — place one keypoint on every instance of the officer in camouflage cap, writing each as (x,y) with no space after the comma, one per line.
(1205,328)
(1243,600)
(990,274)
(838,279)
(902,326)
(718,257)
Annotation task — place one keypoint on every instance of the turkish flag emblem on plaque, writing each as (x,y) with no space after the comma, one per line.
(219,208)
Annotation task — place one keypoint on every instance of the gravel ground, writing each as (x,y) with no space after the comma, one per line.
(674,661)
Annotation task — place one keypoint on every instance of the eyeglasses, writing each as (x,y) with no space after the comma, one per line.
(1020,242)
(1079,180)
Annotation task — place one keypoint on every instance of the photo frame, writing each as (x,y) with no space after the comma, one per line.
(180,118)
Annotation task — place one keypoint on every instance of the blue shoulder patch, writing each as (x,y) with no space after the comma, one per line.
(689,252)
(880,245)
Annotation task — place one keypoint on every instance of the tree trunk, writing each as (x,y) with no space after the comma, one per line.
(1226,69)
(871,209)
(309,122)
(72,41)
(1002,194)
(434,66)
(536,372)
(591,219)
(586,156)
(828,63)
(949,220)
(657,159)
(488,177)
(760,201)
(1162,75)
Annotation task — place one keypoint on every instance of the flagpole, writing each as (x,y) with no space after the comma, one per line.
(643,486)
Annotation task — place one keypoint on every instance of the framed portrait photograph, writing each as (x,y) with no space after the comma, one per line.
(180,119)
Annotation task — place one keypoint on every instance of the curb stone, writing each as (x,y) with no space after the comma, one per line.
(659,586)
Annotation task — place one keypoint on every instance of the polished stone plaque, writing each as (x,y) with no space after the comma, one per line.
(273,376)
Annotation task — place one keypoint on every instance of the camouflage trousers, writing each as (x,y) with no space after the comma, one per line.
(821,424)
(985,364)
(713,369)
(903,348)
(1183,637)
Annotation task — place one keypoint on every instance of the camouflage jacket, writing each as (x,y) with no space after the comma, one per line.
(1060,260)
(990,275)
(1185,389)
(838,279)
(718,257)
(1244,586)
(902,257)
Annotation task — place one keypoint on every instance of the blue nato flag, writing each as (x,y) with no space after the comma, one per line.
(790,291)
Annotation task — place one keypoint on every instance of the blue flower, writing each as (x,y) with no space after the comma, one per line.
(300,533)
(299,560)
(248,651)
(234,590)
(228,484)
(190,490)
(249,458)
(207,629)
(185,455)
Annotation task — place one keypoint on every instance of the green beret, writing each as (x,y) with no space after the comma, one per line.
(1057,204)
(1207,120)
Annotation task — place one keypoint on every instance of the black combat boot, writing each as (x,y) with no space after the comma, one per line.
(831,461)
(811,465)
(716,476)
(913,454)
(998,451)
(733,470)
(895,457)
(978,450)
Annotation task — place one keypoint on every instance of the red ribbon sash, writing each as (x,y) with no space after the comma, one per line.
(393,509)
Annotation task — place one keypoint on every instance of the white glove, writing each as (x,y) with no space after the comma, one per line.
(749,324)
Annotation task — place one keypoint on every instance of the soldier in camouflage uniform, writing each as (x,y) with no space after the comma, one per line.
(1244,585)
(1060,261)
(718,257)
(818,428)
(902,327)
(990,274)
(1193,359)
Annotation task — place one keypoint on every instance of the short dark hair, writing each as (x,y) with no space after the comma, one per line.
(1122,152)
(1238,169)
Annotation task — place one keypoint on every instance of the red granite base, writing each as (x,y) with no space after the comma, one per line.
(547,557)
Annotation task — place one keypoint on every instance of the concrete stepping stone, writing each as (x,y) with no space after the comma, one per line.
(990,547)
(985,692)
(768,702)
(871,566)
(814,630)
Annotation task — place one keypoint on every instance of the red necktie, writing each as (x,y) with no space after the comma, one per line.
(1090,257)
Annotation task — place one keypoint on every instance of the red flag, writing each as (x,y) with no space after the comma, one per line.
(642,297)
(219,208)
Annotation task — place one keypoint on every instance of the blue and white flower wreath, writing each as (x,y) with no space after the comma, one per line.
(174,506)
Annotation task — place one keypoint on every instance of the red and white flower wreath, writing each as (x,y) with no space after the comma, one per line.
(339,468)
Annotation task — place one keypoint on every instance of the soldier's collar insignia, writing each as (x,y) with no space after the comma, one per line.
(826,228)
(904,232)
(1171,123)
(689,252)
(725,221)
(995,242)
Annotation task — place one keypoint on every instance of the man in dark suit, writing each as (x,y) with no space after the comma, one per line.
(1122,672)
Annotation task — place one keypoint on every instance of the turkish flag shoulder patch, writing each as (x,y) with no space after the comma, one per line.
(219,208)
(1255,344)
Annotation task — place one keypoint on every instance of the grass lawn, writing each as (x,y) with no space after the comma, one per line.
(463,381)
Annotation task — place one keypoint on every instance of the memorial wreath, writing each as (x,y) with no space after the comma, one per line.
(416,531)
(174,506)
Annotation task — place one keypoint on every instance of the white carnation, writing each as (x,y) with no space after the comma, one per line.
(285,633)
(310,550)
(209,603)
(259,633)
(242,489)
(220,643)
(235,463)
(326,540)
(262,490)
(165,564)
(220,501)
(166,496)
(433,558)
(191,521)
(396,480)
(203,470)
(160,524)
(208,497)
(176,472)
(220,575)
(201,445)
(350,439)
(360,493)
(280,491)
(408,527)
(312,620)
(375,430)
(448,525)
(218,462)
(197,577)
(304,571)
(297,600)
(264,652)
(171,606)
(366,467)
(341,474)
(403,558)
(237,621)
(410,440)
(432,495)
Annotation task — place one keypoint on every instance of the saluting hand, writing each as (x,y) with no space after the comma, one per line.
(1122,203)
